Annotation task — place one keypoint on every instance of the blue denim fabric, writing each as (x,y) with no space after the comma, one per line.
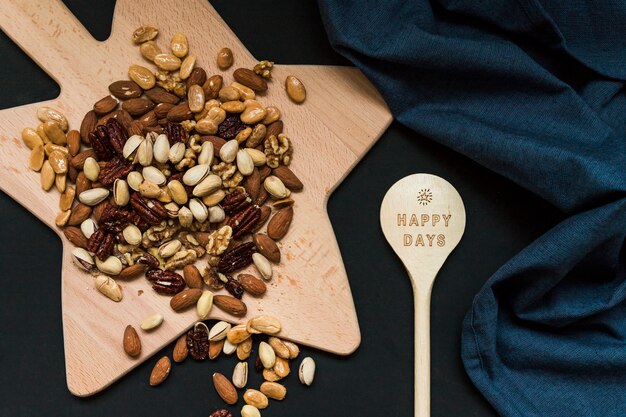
(534,90)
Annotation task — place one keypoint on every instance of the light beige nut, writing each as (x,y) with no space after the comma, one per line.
(180,351)
(167,62)
(225,58)
(245,164)
(229,348)
(144,153)
(262,265)
(142,76)
(240,375)
(55,133)
(145,33)
(250,411)
(109,287)
(177,191)
(281,350)
(151,322)
(267,355)
(194,175)
(134,180)
(306,372)
(46,114)
(131,342)
(161,149)
(274,390)
(110,266)
(187,66)
(219,240)
(214,198)
(149,189)
(244,349)
(132,234)
(91,169)
(266,324)
(179,45)
(170,248)
(154,175)
(219,331)
(275,187)
(198,210)
(67,198)
(228,151)
(237,334)
(61,219)
(121,194)
(195,98)
(216,214)
(225,388)
(207,186)
(161,371)
(31,138)
(206,153)
(131,145)
(204,305)
(83,259)
(88,227)
(255,398)
(149,50)
(94,196)
(37,158)
(295,89)
(177,152)
(185,217)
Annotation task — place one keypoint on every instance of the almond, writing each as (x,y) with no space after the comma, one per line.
(125,89)
(225,389)
(73,142)
(279,224)
(75,236)
(215,348)
(212,86)
(132,271)
(267,247)
(265,214)
(105,105)
(161,371)
(275,129)
(80,213)
(216,141)
(99,209)
(251,284)
(180,349)
(82,183)
(137,106)
(162,109)
(248,78)
(230,305)
(79,160)
(288,178)
(192,276)
(197,76)
(131,344)
(185,298)
(179,113)
(252,184)
(160,95)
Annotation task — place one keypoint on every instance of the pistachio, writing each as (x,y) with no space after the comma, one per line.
(170,248)
(214,198)
(262,265)
(229,348)
(264,324)
(151,322)
(240,375)
(207,186)
(295,89)
(194,175)
(37,158)
(132,234)
(228,151)
(172,209)
(250,411)
(109,287)
(154,175)
(88,227)
(245,164)
(94,196)
(204,305)
(224,58)
(142,76)
(161,149)
(267,355)
(134,180)
(255,398)
(149,189)
(144,152)
(110,266)
(131,145)
(219,331)
(275,187)
(121,194)
(179,45)
(216,214)
(91,169)
(177,191)
(306,373)
(82,259)
(47,176)
(185,217)
(206,153)
(199,210)
(31,138)
(177,152)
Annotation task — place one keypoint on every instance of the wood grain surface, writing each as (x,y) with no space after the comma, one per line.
(341,119)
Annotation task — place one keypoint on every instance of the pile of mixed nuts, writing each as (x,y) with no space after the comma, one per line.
(174,165)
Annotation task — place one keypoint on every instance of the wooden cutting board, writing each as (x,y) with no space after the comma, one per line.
(341,119)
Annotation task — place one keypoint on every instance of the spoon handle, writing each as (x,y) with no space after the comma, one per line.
(422,351)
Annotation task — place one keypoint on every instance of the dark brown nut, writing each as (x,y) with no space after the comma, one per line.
(132,343)
(101,243)
(215,140)
(79,160)
(180,112)
(99,210)
(137,106)
(160,95)
(148,259)
(197,76)
(152,211)
(73,142)
(181,351)
(235,202)
(80,213)
(279,224)
(136,128)
(116,168)
(275,128)
(72,173)
(152,129)
(252,184)
(149,119)
(221,413)
(105,105)
(161,110)
(82,183)
(288,178)
(75,236)
(265,214)
(175,133)
(252,285)
(215,348)
(192,276)
(113,219)
(212,87)
(165,282)
(198,343)
(261,198)
(230,305)
(234,287)
(248,78)
(267,247)
(88,125)
(132,271)
(185,298)
(224,58)
(230,127)
(108,140)
(236,258)
(125,119)
(125,89)
(243,222)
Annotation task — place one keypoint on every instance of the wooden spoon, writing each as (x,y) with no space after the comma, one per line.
(423,219)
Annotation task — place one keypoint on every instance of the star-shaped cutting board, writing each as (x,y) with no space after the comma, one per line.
(341,119)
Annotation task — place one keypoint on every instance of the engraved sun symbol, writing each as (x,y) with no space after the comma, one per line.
(424,197)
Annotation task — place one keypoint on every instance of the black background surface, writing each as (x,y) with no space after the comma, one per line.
(376,380)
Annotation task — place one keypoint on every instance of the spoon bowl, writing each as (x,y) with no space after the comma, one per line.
(423,219)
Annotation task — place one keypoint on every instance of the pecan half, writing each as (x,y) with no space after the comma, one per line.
(99,140)
(221,413)
(148,259)
(165,282)
(238,257)
(174,132)
(234,287)
(244,221)
(101,243)
(117,135)
(114,219)
(152,211)
(116,167)
(198,343)
(236,201)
